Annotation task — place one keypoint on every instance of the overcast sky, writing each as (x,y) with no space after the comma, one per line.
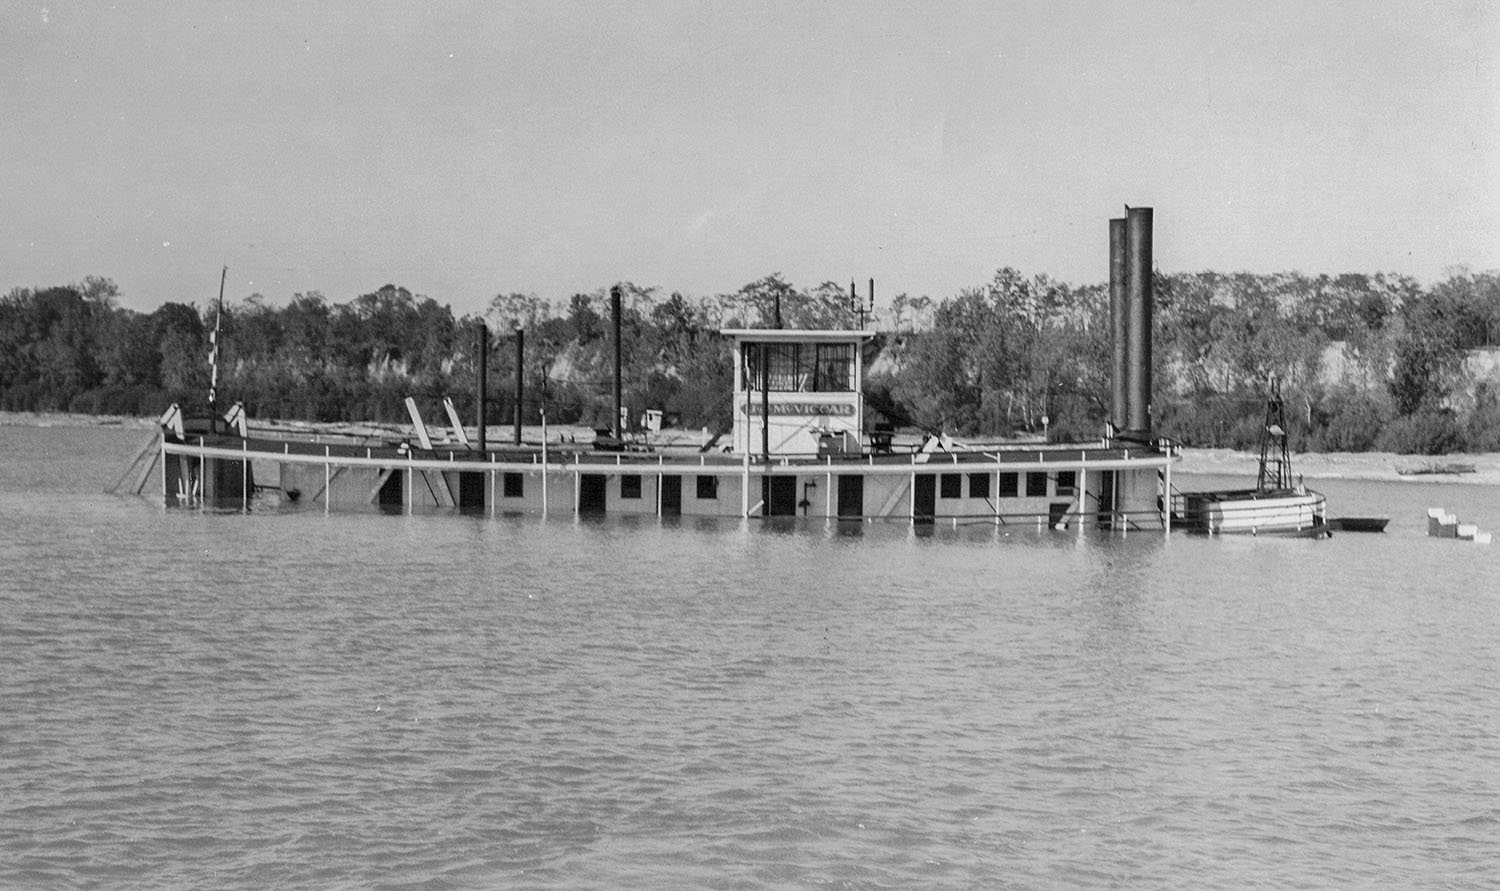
(462,150)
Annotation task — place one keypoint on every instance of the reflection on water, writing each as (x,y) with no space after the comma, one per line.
(356,700)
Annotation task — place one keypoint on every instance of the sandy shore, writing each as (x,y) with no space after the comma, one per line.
(1350,465)
(69,419)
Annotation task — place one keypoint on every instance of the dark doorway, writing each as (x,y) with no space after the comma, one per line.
(780,496)
(471,492)
(924,498)
(851,497)
(592,493)
(671,495)
(391,494)
(1106,498)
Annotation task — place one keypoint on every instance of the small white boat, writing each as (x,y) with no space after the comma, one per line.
(1296,510)
(1276,506)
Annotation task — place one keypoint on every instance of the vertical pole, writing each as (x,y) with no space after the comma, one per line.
(245,475)
(765,401)
(1118,314)
(1083,497)
(327,479)
(1138,287)
(1166,499)
(520,377)
(913,500)
(614,313)
(997,490)
(483,373)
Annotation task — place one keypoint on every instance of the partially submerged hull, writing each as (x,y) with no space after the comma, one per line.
(1077,486)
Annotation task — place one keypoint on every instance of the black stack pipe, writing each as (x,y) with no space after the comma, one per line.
(1118,326)
(482,375)
(520,380)
(614,314)
(1138,295)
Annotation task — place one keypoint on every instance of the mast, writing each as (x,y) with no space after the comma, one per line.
(1275,457)
(213,350)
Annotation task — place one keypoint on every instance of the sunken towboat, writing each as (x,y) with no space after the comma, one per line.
(801,446)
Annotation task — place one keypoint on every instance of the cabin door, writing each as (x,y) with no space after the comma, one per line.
(780,496)
(851,496)
(671,495)
(1106,499)
(471,487)
(924,498)
(592,489)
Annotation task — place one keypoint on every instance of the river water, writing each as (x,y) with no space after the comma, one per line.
(297,700)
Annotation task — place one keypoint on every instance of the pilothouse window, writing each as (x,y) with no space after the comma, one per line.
(801,368)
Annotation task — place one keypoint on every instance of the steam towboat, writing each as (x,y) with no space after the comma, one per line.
(801,445)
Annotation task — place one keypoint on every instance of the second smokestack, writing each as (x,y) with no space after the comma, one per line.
(1139,294)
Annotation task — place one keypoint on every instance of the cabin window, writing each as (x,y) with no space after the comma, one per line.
(801,368)
(979,485)
(1067,482)
(785,363)
(835,368)
(1010,485)
(513,485)
(951,485)
(708,488)
(630,485)
(1036,485)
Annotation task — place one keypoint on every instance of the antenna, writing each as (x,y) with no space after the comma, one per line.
(860,310)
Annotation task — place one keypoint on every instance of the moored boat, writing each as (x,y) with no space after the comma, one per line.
(1278,505)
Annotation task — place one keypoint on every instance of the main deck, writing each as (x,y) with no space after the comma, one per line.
(1052,485)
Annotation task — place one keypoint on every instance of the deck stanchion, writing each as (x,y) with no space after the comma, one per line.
(1166,500)
(1083,496)
(912,499)
(997,489)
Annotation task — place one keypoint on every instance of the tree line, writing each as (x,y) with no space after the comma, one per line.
(1365,361)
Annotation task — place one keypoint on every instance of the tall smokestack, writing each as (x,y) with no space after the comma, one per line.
(1138,295)
(483,376)
(1118,326)
(520,378)
(614,314)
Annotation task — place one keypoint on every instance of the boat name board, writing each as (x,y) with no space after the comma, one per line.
(803,408)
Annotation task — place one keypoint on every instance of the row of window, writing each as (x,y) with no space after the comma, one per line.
(800,367)
(950,485)
(513,485)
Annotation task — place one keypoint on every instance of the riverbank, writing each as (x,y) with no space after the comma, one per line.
(71,419)
(1350,465)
